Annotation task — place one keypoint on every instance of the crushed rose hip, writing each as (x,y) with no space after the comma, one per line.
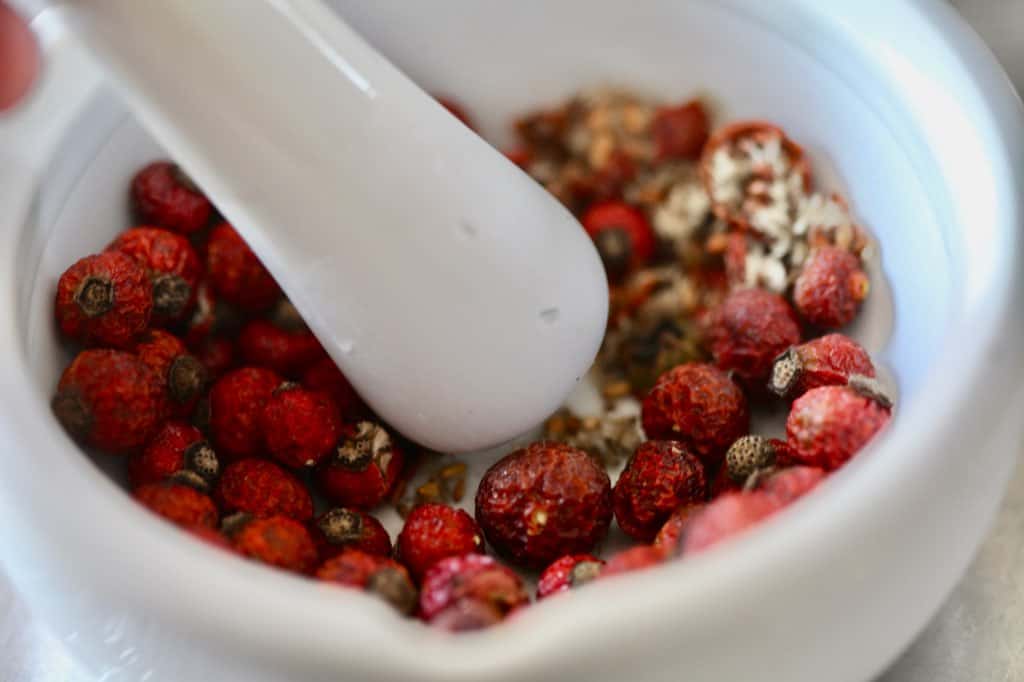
(728,274)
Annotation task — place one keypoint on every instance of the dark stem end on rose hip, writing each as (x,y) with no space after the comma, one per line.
(341,525)
(870,388)
(372,443)
(201,458)
(95,296)
(190,478)
(394,587)
(186,378)
(73,413)
(231,524)
(171,294)
(786,372)
(748,455)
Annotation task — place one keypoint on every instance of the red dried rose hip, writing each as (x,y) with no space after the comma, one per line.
(237,275)
(340,529)
(236,407)
(829,360)
(171,264)
(699,405)
(324,375)
(669,539)
(749,330)
(569,572)
(470,592)
(376,574)
(830,288)
(829,425)
(104,300)
(164,195)
(176,446)
(633,559)
(542,502)
(433,532)
(261,488)
(110,400)
(300,427)
(277,541)
(363,467)
(680,132)
(660,477)
(725,517)
(218,355)
(184,376)
(789,485)
(623,237)
(265,344)
(178,503)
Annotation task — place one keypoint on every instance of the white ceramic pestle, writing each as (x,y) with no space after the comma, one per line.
(461,300)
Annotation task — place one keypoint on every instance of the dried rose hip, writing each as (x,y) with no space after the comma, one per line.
(623,237)
(324,375)
(749,330)
(212,318)
(236,408)
(633,559)
(746,166)
(701,406)
(261,488)
(568,572)
(829,360)
(680,132)
(433,532)
(725,517)
(300,427)
(791,484)
(378,575)
(830,288)
(660,477)
(542,502)
(104,300)
(363,468)
(110,400)
(183,375)
(164,195)
(218,355)
(341,529)
(278,541)
(178,503)
(286,350)
(748,455)
(669,539)
(470,592)
(176,446)
(237,275)
(828,425)
(172,265)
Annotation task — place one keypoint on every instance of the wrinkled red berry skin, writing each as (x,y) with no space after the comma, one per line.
(163,254)
(179,504)
(618,215)
(354,568)
(160,350)
(161,198)
(278,541)
(263,489)
(557,577)
(660,477)
(830,360)
(699,405)
(475,585)
(324,375)
(264,344)
(670,537)
(726,517)
(110,400)
(748,330)
(373,540)
(680,132)
(300,427)
(830,288)
(236,407)
(164,455)
(433,532)
(129,310)
(828,425)
(633,559)
(789,485)
(542,502)
(365,488)
(218,355)
(235,272)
